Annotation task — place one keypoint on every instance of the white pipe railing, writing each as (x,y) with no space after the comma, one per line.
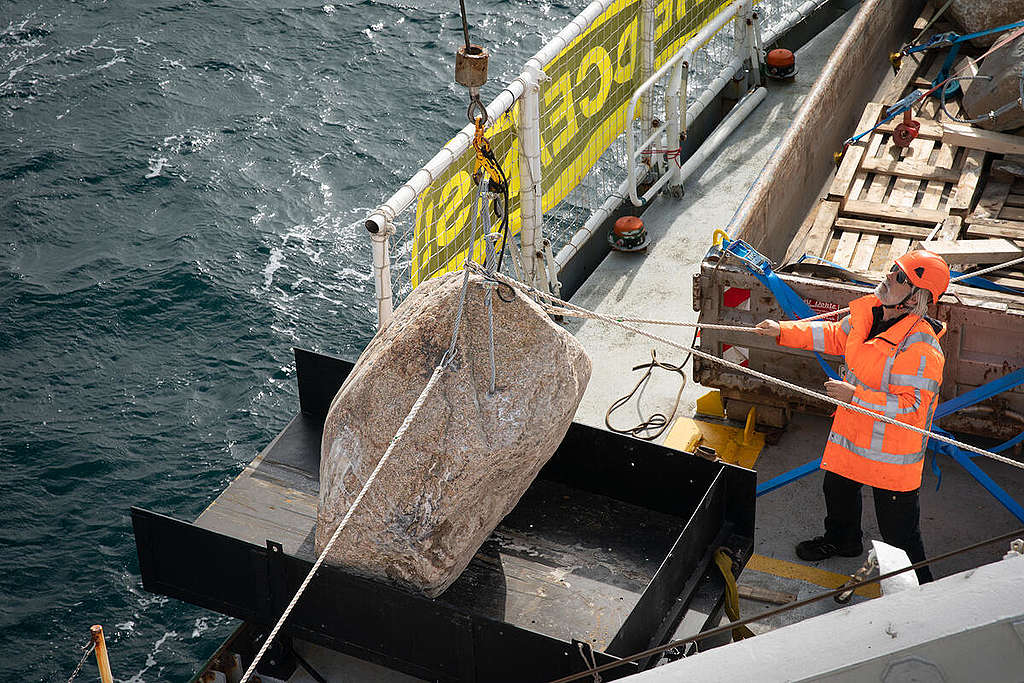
(598,217)
(382,273)
(736,116)
(407,194)
(525,89)
(679,61)
(530,192)
(646,60)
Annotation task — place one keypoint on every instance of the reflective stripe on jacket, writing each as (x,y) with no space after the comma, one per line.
(896,374)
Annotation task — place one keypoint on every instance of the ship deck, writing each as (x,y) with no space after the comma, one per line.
(657,284)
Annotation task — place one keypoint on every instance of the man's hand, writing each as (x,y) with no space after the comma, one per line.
(768,328)
(841,391)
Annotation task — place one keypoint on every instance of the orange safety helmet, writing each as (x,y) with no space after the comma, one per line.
(925,270)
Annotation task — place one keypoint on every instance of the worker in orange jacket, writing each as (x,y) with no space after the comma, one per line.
(894,368)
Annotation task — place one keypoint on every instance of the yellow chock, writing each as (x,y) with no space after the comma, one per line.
(749,427)
(710,404)
(685,435)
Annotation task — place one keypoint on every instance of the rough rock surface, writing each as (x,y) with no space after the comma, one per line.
(468,456)
(977,15)
(982,96)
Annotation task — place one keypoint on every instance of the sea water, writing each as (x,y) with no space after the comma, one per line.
(182,188)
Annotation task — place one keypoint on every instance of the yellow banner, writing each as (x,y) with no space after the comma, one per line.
(675,22)
(583,106)
(443,212)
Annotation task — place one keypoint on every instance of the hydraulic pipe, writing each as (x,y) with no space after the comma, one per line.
(732,121)
(724,129)
(593,224)
(791,19)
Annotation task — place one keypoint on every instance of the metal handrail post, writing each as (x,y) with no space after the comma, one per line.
(672,116)
(754,43)
(382,273)
(531,235)
(743,41)
(684,54)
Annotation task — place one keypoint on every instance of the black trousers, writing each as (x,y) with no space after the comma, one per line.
(898,513)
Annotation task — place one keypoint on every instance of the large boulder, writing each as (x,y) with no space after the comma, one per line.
(977,15)
(982,96)
(468,456)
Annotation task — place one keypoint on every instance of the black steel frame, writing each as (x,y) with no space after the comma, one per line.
(434,639)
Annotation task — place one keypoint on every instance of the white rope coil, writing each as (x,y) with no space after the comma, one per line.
(760,375)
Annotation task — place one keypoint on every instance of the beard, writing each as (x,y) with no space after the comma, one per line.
(885,295)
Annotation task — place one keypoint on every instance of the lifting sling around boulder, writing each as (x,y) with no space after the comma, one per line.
(468,456)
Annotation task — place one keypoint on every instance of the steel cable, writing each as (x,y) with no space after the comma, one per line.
(760,375)
(785,608)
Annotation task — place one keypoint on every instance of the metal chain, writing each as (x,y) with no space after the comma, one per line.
(760,375)
(88,651)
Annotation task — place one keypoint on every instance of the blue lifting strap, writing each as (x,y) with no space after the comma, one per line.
(963,459)
(791,303)
(797,308)
(988,390)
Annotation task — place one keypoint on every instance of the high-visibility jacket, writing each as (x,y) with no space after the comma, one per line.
(897,374)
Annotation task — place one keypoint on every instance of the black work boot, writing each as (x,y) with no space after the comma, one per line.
(821,548)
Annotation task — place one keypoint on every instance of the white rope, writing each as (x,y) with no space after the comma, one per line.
(438,371)
(577,313)
(760,375)
(446,360)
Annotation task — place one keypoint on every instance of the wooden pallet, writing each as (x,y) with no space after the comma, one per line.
(884,196)
(1000,212)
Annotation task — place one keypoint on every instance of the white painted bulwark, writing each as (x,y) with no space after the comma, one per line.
(965,627)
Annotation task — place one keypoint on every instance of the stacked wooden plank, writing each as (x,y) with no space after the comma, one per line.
(886,199)
(999,213)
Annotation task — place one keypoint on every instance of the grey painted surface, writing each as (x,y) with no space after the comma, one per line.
(966,627)
(658,284)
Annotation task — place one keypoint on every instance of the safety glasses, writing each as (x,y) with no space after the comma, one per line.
(901,277)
